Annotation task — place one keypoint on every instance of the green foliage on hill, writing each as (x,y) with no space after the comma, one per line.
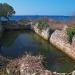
(42,25)
(70,33)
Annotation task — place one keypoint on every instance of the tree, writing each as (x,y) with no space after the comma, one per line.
(6,10)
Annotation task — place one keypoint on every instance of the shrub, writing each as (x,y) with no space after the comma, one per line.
(42,25)
(70,33)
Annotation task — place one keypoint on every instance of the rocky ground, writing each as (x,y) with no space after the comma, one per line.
(26,65)
(3,62)
(29,65)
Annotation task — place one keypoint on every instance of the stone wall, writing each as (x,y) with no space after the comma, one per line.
(17,27)
(44,33)
(59,39)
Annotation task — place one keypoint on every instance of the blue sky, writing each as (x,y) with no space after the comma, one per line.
(42,7)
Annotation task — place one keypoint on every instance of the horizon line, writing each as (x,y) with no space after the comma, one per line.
(39,15)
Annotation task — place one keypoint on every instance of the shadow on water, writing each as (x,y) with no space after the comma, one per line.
(16,43)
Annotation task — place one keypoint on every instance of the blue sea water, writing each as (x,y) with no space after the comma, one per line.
(58,18)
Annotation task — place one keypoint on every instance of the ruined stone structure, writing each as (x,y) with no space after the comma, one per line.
(59,39)
(44,33)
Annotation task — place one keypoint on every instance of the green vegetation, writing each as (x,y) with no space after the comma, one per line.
(70,33)
(22,22)
(42,25)
(6,10)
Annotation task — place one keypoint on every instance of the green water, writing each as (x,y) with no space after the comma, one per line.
(16,43)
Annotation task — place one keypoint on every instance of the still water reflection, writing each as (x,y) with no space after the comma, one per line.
(15,43)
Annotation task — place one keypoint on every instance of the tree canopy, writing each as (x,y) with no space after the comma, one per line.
(6,10)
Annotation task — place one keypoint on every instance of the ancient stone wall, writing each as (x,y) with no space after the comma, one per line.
(59,39)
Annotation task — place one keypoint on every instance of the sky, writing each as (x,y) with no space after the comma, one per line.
(42,7)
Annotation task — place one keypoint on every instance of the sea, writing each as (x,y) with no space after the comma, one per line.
(57,18)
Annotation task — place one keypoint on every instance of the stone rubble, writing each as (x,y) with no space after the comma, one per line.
(29,65)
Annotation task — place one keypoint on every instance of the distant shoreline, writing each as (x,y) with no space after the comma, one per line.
(55,17)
